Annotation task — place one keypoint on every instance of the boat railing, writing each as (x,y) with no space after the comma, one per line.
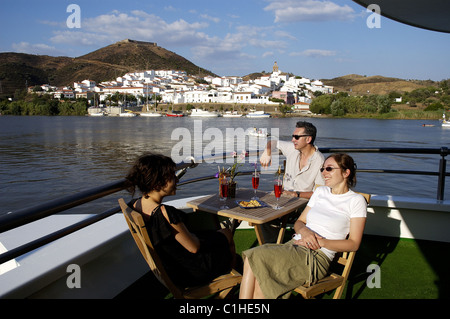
(27,215)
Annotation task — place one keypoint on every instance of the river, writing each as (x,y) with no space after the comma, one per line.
(44,158)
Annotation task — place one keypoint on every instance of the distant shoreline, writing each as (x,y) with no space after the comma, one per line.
(395,115)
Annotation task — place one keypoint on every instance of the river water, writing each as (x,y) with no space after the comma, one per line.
(44,158)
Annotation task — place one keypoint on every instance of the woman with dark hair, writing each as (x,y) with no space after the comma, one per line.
(333,221)
(189,259)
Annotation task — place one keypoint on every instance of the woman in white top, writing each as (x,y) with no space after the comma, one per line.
(333,221)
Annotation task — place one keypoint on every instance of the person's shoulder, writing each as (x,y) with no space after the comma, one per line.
(286,147)
(175,215)
(284,144)
(357,197)
(172,209)
(322,189)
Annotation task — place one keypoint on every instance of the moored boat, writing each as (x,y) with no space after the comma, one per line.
(150,114)
(232,114)
(202,113)
(257,114)
(127,114)
(261,132)
(175,114)
(445,122)
(97,114)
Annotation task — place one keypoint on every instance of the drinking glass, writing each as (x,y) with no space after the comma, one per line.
(223,192)
(278,189)
(255,183)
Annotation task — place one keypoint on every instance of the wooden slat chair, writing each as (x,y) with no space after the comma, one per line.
(221,285)
(334,280)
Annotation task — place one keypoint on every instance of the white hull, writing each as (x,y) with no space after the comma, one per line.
(127,114)
(201,113)
(232,114)
(258,114)
(150,114)
(445,123)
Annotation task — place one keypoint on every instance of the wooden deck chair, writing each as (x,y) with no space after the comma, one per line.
(221,285)
(332,281)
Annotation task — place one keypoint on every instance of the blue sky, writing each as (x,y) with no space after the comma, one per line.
(318,39)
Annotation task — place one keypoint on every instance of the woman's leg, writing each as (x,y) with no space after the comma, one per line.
(250,288)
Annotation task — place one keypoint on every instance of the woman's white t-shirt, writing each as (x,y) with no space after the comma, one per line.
(330,214)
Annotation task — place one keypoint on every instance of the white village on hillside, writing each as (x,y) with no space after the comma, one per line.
(175,87)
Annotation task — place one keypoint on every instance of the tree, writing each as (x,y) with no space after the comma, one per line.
(434,107)
(338,108)
(322,104)
(377,104)
(383,104)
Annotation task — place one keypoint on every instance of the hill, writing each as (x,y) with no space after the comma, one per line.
(18,70)
(359,85)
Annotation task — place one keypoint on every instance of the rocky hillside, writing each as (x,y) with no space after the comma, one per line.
(18,70)
(359,85)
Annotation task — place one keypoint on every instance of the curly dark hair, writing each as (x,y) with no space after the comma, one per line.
(150,172)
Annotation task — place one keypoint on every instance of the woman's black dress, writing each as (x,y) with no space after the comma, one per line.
(184,268)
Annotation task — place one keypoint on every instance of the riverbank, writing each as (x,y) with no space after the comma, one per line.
(400,115)
(398,112)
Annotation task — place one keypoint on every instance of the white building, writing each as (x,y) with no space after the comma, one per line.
(177,87)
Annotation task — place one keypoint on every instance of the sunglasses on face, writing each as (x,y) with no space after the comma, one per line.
(328,169)
(298,136)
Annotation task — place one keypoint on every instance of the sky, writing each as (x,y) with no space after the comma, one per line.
(317,39)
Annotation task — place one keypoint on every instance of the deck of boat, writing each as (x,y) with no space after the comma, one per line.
(409,269)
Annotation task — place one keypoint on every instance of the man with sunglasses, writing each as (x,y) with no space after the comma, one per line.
(302,171)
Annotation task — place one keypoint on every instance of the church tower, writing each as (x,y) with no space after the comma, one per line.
(275,67)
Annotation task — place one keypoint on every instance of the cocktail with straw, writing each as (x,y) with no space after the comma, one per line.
(278,187)
(224,181)
(255,181)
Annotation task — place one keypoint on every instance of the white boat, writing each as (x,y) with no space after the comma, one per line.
(232,114)
(127,114)
(445,123)
(257,114)
(202,113)
(97,114)
(151,114)
(261,132)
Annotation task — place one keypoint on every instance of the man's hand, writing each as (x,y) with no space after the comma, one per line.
(265,159)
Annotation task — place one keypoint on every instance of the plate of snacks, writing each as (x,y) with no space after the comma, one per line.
(251,203)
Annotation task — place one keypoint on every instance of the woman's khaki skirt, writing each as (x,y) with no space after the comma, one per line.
(281,268)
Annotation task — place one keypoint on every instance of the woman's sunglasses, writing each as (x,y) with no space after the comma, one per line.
(328,169)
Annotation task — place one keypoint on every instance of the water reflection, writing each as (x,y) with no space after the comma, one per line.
(43,158)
